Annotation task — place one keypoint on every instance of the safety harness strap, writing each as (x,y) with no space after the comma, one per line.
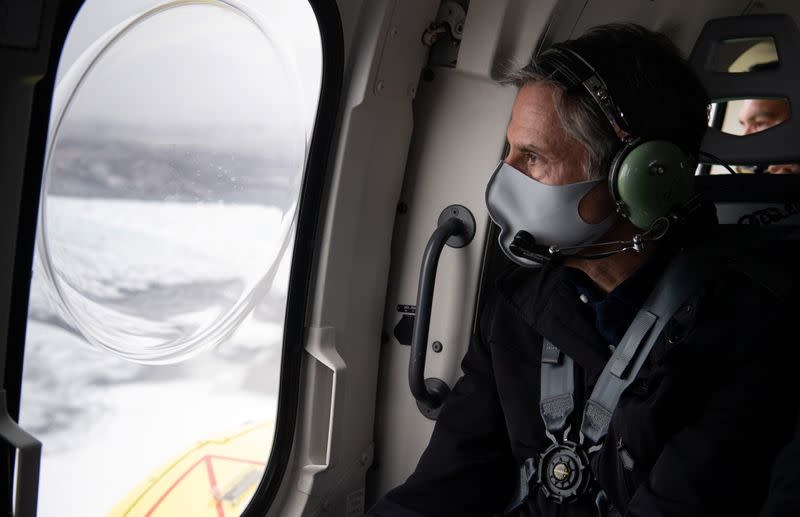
(557,387)
(527,473)
(679,282)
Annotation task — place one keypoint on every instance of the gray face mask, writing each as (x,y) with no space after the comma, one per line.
(517,202)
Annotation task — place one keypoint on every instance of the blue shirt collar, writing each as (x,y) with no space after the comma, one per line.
(614,311)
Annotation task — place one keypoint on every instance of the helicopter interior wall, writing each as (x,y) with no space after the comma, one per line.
(334,433)
(460,115)
(459,129)
(459,164)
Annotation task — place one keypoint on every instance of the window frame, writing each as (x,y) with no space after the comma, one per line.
(65,13)
(304,248)
(304,253)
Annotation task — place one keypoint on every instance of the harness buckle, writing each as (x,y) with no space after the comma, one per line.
(563,474)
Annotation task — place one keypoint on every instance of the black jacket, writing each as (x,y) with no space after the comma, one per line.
(702,423)
(784,491)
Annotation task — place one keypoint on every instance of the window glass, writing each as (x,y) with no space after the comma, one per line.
(743,117)
(737,55)
(178,142)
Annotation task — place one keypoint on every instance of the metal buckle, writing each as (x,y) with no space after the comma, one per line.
(563,473)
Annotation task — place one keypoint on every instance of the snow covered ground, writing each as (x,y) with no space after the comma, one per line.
(107,423)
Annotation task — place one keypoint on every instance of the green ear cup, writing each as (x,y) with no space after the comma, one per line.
(652,179)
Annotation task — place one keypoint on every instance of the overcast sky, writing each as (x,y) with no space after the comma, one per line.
(197,65)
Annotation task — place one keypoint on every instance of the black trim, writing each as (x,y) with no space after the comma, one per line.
(26,226)
(770,188)
(310,209)
(718,119)
(716,122)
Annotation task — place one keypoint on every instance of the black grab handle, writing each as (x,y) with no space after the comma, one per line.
(456,228)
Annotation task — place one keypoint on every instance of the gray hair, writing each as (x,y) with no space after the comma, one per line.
(581,118)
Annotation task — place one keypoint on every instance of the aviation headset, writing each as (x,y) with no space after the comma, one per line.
(648,178)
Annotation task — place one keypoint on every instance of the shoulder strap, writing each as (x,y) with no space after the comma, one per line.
(680,281)
(556,401)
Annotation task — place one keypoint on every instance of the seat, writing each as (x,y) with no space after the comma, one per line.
(761,212)
(759,200)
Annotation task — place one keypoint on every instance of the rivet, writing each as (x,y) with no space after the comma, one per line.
(437,346)
(561,471)
(657,169)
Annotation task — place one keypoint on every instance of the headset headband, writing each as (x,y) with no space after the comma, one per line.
(572,70)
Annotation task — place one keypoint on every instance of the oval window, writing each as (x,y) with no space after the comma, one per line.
(160,237)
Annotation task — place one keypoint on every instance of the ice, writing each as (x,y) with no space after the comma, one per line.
(106,423)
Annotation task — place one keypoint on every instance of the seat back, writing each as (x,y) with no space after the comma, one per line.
(753,199)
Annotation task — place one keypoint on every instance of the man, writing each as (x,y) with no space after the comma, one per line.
(759,114)
(696,431)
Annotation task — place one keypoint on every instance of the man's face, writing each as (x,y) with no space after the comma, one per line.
(760,114)
(541,148)
(539,145)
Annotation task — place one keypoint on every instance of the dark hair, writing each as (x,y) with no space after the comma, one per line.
(647,77)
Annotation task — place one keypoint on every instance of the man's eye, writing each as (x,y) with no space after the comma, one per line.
(532,158)
(763,123)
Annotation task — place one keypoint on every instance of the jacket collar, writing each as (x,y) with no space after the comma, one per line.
(549,304)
